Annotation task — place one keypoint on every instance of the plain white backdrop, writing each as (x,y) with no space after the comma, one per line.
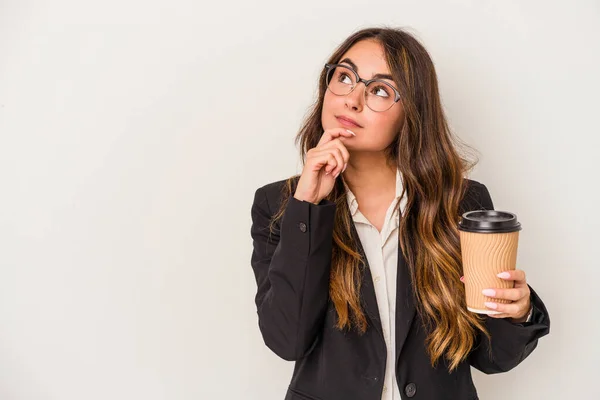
(133,135)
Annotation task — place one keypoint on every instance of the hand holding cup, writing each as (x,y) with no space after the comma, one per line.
(519,295)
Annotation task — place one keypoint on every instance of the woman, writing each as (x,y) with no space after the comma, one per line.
(357,260)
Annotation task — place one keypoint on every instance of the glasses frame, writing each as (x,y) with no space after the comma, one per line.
(329,67)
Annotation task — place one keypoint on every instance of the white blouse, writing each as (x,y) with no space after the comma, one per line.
(381,250)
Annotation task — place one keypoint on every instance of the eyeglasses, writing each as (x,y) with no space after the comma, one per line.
(379,95)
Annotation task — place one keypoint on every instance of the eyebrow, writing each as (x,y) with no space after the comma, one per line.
(376,76)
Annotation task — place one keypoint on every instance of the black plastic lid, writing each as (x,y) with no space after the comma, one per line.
(489,221)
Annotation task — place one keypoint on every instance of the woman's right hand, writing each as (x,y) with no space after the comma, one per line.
(323,165)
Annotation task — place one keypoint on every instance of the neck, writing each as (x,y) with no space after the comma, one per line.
(370,172)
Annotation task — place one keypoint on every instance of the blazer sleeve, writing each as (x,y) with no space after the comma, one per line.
(510,342)
(291,267)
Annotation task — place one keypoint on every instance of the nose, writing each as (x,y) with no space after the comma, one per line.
(355,98)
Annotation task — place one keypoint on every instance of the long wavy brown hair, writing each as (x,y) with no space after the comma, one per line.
(426,153)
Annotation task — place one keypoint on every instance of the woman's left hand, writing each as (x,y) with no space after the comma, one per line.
(520,295)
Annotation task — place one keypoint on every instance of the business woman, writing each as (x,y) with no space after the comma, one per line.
(357,260)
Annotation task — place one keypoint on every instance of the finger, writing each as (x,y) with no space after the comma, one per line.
(322,159)
(330,134)
(512,309)
(332,163)
(516,275)
(337,144)
(333,159)
(462,279)
(508,294)
(337,153)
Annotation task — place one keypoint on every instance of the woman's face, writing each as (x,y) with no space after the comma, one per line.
(377,130)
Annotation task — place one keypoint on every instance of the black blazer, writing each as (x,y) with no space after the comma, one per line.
(296,317)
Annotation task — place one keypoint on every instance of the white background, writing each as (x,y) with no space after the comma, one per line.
(134,133)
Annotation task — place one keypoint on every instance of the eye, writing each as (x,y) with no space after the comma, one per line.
(344,78)
(381,90)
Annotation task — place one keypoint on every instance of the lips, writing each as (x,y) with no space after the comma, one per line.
(349,122)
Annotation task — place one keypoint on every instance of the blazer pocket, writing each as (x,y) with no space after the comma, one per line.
(301,395)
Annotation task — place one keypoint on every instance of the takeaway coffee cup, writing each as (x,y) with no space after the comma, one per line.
(488,241)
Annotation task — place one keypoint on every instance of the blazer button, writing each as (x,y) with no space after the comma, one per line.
(302,226)
(410,389)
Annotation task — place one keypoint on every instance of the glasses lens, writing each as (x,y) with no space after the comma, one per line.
(379,96)
(341,80)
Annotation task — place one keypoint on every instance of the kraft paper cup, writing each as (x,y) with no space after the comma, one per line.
(489,241)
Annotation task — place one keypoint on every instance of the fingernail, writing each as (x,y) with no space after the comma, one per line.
(462,278)
(345,165)
(336,175)
(503,275)
(348,130)
(491,305)
(327,172)
(489,292)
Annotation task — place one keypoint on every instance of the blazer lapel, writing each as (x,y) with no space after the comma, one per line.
(367,290)
(405,304)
